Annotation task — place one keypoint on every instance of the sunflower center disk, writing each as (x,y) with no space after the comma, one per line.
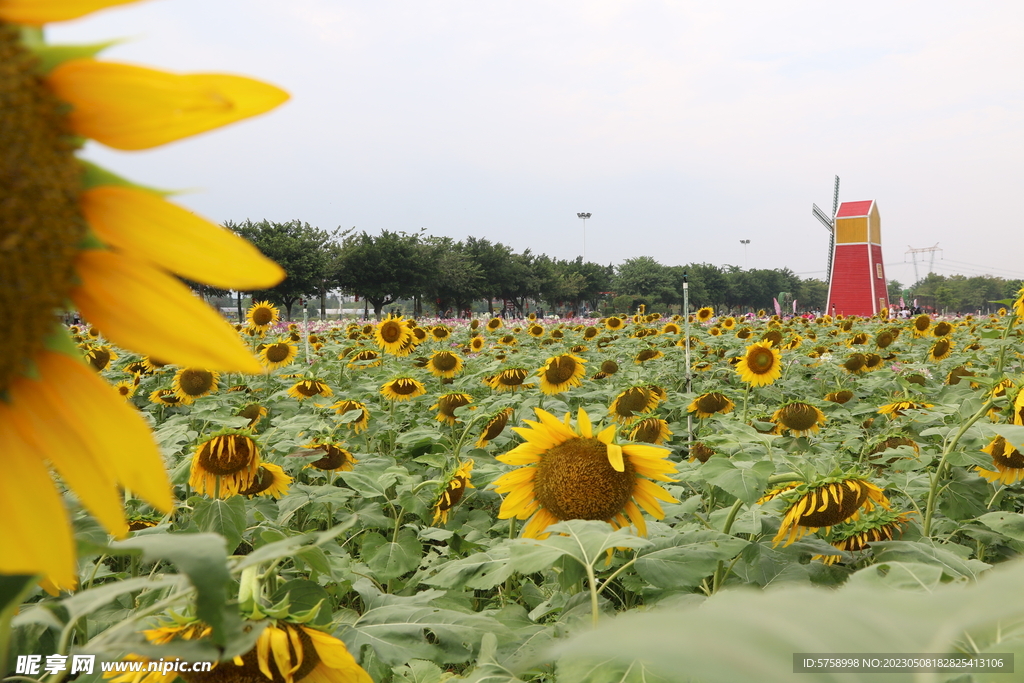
(196,382)
(249,672)
(41,224)
(576,481)
(799,416)
(760,360)
(262,316)
(835,512)
(277,352)
(1007,456)
(263,480)
(225,455)
(560,370)
(711,403)
(334,458)
(391,332)
(444,361)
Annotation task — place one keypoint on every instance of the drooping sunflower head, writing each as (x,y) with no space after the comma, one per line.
(942,329)
(308,388)
(646,355)
(495,425)
(454,490)
(940,350)
(269,480)
(957,374)
(609,367)
(854,363)
(359,419)
(1007,461)
(651,430)
(569,473)
(877,525)
(444,364)
(494,324)
(448,403)
(336,458)
(631,403)
(254,412)
(841,396)
(403,389)
(192,383)
(278,354)
(100,356)
(705,314)
(700,451)
(535,331)
(224,464)
(164,397)
(899,408)
(508,379)
(824,504)
(710,403)
(561,373)
(887,444)
(262,315)
(801,419)
(760,365)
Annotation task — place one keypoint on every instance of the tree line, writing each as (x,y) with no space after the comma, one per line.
(440,275)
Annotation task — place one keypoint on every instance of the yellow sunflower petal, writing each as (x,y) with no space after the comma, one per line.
(279,649)
(536,526)
(523,454)
(131,107)
(607,435)
(39,12)
(335,657)
(638,450)
(537,435)
(509,480)
(555,425)
(584,425)
(615,457)
(263,652)
(132,303)
(149,227)
(636,517)
(515,501)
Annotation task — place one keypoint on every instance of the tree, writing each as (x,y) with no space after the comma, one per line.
(496,267)
(646,277)
(458,278)
(385,268)
(299,248)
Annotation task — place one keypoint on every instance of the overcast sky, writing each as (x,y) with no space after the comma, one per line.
(683,127)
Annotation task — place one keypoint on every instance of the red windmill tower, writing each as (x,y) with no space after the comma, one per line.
(856,275)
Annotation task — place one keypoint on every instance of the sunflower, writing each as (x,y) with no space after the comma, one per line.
(715,331)
(801,419)
(192,383)
(942,329)
(126,389)
(710,403)
(957,374)
(308,388)
(535,331)
(278,354)
(254,412)
(760,365)
(839,396)
(670,328)
(705,314)
(224,464)
(453,491)
(651,430)
(631,403)
(392,334)
(495,426)
(444,364)
(284,652)
(825,504)
(899,408)
(614,323)
(402,389)
(447,404)
(100,356)
(269,480)
(700,451)
(940,350)
(609,367)
(854,363)
(572,474)
(890,443)
(878,525)
(164,397)
(872,362)
(1007,461)
(362,360)
(346,406)
(646,355)
(494,324)
(336,458)
(508,340)
(262,315)
(508,379)
(476,344)
(921,325)
(561,373)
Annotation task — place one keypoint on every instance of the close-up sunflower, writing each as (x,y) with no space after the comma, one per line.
(447,404)
(495,425)
(710,403)
(403,389)
(454,490)
(393,334)
(1007,461)
(262,315)
(508,379)
(269,480)
(571,473)
(278,355)
(801,419)
(824,504)
(760,365)
(308,388)
(561,373)
(444,364)
(361,421)
(224,464)
(192,383)
(631,403)
(112,249)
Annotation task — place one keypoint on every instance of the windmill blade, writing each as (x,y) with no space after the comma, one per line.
(820,215)
(835,198)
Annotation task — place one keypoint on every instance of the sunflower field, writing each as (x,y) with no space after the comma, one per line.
(403,500)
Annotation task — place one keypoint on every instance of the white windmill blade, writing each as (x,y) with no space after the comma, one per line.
(825,219)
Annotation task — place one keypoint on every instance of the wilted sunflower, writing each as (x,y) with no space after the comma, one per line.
(824,504)
(940,350)
(710,403)
(278,355)
(392,334)
(646,355)
(453,491)
(308,388)
(878,525)
(957,374)
(494,324)
(336,458)
(839,396)
(70,231)
(897,409)
(508,379)
(855,363)
(262,315)
(705,314)
(444,364)
(360,422)
(269,480)
(631,403)
(872,362)
(285,652)
(447,404)
(651,430)
(101,356)
(561,373)
(224,464)
(760,365)
(508,340)
(402,389)
(1007,461)
(890,443)
(572,474)
(495,426)
(192,383)
(801,419)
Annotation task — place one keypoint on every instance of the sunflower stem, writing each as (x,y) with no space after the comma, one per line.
(720,570)
(592,584)
(746,400)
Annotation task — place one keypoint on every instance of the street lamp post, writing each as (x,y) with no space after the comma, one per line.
(744,243)
(584,216)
